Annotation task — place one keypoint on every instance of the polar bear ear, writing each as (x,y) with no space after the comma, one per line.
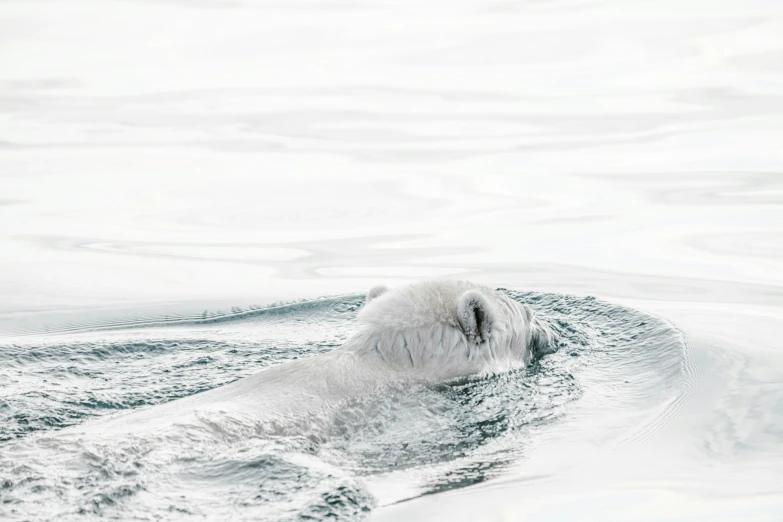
(476,316)
(375,292)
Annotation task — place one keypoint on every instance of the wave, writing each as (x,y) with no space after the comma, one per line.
(323,305)
(223,464)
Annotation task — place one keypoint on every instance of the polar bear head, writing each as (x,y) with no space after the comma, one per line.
(450,329)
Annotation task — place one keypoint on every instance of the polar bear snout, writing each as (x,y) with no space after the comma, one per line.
(543,339)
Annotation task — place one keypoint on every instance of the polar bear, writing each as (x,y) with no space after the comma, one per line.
(428,332)
(449,329)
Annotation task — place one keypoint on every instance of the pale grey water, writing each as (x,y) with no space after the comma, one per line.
(337,464)
(166,158)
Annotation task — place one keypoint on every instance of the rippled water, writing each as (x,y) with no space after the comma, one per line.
(439,437)
(170,169)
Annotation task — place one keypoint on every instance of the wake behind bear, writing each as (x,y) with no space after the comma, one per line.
(425,333)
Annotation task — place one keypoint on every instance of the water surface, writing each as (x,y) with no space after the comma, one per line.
(165,161)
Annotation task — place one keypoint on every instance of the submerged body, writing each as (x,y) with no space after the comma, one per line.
(358,430)
(429,332)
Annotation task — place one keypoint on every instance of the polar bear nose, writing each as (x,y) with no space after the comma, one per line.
(543,340)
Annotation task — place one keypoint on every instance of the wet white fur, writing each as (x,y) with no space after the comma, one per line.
(449,329)
(427,332)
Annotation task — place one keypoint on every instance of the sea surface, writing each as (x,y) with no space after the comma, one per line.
(193,191)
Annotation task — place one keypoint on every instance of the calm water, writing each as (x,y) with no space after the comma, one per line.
(182,165)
